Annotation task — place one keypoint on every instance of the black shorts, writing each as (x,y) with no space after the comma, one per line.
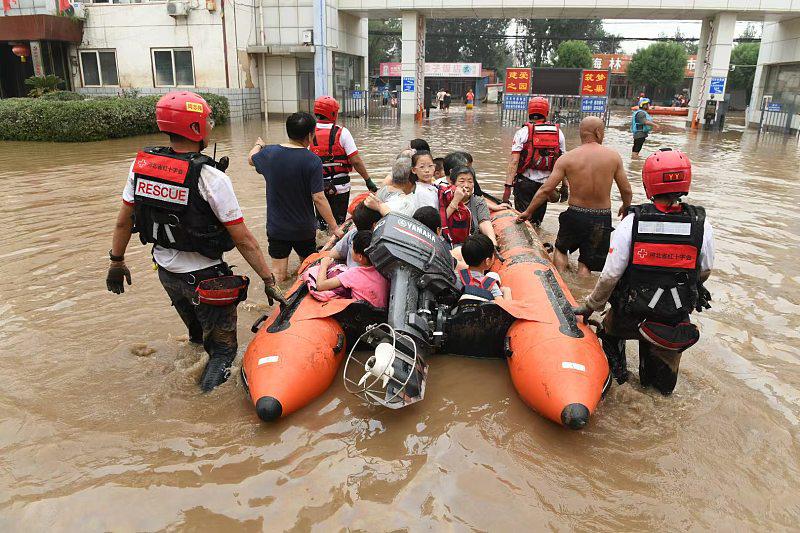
(339,204)
(637,144)
(587,230)
(280,249)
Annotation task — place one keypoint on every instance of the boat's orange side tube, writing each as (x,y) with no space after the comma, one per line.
(558,367)
(294,356)
(666,110)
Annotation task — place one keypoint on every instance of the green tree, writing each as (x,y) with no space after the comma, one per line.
(538,38)
(744,57)
(689,46)
(659,65)
(575,54)
(468,41)
(383,48)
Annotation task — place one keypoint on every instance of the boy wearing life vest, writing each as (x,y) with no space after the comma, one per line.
(641,125)
(182,203)
(334,144)
(536,147)
(661,253)
(478,283)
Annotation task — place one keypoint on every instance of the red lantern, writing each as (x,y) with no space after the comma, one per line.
(22,51)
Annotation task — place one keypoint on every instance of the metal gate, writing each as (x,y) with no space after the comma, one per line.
(384,105)
(776,117)
(353,104)
(564,110)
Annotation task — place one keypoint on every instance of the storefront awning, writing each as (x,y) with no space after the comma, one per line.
(40,28)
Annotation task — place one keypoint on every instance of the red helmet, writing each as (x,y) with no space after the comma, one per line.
(326,107)
(667,171)
(539,106)
(177,111)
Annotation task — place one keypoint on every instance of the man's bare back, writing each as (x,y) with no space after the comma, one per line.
(590,169)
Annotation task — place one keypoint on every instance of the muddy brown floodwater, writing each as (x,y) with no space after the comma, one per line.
(103,428)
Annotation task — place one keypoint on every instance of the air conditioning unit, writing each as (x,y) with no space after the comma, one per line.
(177,8)
(79,10)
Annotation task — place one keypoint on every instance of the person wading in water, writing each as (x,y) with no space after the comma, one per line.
(661,253)
(182,203)
(586,224)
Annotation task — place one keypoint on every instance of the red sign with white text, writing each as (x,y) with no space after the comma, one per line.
(158,166)
(518,80)
(665,255)
(594,83)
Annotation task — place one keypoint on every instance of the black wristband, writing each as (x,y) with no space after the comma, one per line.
(116,258)
(508,185)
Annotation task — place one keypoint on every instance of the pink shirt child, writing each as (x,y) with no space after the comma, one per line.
(366,283)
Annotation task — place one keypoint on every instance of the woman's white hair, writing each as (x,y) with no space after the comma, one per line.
(401,170)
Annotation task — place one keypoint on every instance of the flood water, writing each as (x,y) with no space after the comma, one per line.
(103,428)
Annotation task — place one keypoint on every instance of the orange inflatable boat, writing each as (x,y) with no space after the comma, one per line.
(666,110)
(556,363)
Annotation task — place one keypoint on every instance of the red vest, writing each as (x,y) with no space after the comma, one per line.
(474,287)
(541,149)
(457,227)
(327,145)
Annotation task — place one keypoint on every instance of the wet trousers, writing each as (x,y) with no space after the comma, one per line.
(214,326)
(524,190)
(657,367)
(339,204)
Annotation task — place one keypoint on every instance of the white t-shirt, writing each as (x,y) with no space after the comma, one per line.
(426,194)
(349,145)
(520,138)
(619,250)
(216,189)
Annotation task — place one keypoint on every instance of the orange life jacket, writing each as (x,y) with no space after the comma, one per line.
(542,148)
(327,145)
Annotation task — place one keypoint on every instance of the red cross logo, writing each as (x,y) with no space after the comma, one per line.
(642,253)
(141,163)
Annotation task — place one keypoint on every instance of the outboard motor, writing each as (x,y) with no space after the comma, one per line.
(419,266)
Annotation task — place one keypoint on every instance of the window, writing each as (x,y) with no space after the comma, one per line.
(99,67)
(173,68)
(347,72)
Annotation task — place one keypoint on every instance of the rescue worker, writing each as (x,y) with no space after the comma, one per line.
(335,146)
(661,253)
(533,157)
(641,125)
(182,203)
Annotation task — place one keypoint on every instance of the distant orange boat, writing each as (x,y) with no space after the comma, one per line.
(666,110)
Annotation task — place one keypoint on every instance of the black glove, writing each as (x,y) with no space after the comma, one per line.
(583,311)
(222,164)
(273,292)
(117,271)
(371,185)
(507,193)
(703,299)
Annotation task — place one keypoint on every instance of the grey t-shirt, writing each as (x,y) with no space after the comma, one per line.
(480,211)
(640,119)
(344,248)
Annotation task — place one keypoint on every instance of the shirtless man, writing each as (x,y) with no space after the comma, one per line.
(586,224)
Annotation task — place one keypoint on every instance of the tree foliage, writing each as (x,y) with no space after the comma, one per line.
(41,85)
(661,64)
(468,41)
(383,48)
(689,46)
(743,60)
(573,54)
(542,37)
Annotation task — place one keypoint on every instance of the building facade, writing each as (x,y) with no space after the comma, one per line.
(777,78)
(268,56)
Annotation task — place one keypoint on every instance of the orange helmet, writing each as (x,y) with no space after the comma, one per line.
(538,106)
(667,171)
(177,111)
(326,107)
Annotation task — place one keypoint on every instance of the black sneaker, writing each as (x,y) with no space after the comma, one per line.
(217,372)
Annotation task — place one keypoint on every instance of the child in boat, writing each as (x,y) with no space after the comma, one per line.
(364,218)
(438,174)
(429,217)
(364,281)
(422,168)
(478,252)
(463,212)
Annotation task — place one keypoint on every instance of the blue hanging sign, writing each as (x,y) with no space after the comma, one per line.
(515,102)
(408,85)
(717,86)
(358,95)
(593,104)
(774,106)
